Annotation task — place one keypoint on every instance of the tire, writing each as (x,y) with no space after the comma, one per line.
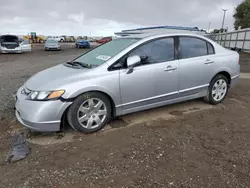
(212,96)
(89,115)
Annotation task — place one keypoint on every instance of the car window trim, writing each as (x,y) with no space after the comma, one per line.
(212,48)
(127,54)
(207,42)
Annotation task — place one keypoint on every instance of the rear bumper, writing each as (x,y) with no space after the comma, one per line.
(234,80)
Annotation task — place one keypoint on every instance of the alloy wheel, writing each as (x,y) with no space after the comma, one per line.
(219,90)
(92,113)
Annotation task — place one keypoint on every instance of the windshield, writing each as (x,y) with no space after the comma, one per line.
(81,41)
(104,52)
(51,41)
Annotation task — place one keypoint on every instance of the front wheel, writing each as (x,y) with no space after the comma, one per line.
(89,112)
(217,90)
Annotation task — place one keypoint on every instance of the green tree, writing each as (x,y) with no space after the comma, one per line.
(242,15)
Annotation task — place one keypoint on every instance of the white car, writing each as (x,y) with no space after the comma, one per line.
(59,39)
(25,46)
(52,44)
(10,44)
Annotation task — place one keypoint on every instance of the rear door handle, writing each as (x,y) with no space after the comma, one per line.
(170,68)
(208,61)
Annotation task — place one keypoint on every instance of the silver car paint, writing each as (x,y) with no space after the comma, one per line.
(54,45)
(147,87)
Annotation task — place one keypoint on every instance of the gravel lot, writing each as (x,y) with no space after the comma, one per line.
(208,148)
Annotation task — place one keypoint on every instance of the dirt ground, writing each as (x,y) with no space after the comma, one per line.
(183,145)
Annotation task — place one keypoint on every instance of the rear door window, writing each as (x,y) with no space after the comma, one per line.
(192,47)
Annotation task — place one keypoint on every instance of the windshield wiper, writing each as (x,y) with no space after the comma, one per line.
(77,63)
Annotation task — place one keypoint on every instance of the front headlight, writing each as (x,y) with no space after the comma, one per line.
(45,95)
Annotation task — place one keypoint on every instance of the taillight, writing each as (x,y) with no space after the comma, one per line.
(239,62)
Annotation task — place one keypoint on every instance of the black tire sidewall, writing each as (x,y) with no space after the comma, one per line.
(215,79)
(73,110)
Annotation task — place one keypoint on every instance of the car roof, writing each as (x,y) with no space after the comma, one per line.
(151,35)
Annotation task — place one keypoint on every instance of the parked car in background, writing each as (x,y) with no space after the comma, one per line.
(25,46)
(82,44)
(10,44)
(52,44)
(127,75)
(57,38)
(104,40)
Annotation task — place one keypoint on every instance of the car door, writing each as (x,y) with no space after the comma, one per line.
(26,46)
(196,64)
(154,80)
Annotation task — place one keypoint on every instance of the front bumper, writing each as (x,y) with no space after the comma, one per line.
(42,116)
(5,50)
(52,48)
(83,45)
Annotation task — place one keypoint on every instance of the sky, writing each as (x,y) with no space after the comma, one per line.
(104,17)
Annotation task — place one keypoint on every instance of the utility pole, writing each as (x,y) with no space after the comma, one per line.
(209,27)
(224,10)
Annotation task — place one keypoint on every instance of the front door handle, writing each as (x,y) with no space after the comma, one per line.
(208,61)
(170,68)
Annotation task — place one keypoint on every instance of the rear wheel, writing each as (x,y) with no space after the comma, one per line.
(217,90)
(89,112)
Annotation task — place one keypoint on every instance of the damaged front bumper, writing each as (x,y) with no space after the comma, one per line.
(42,116)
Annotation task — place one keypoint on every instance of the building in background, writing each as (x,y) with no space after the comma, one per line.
(161,29)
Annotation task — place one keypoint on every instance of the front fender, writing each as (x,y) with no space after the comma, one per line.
(107,85)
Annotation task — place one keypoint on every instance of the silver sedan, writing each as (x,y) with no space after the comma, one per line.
(126,75)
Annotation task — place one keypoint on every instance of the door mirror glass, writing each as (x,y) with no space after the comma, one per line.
(133,60)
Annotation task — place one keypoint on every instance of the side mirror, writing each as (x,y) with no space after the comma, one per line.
(131,62)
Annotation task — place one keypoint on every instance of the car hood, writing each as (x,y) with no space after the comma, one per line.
(54,78)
